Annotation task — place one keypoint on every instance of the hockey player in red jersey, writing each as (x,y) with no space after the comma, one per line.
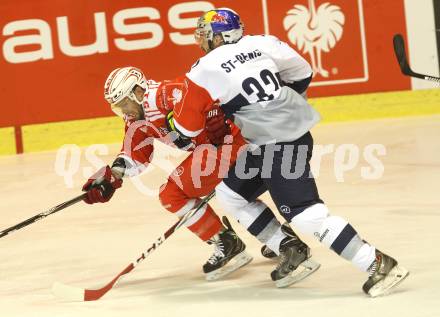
(143,104)
(255,80)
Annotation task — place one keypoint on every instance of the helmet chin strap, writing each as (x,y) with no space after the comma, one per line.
(132,97)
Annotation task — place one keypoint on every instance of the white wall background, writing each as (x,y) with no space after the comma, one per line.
(422,43)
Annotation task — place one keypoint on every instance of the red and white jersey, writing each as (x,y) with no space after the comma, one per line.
(248,79)
(159,99)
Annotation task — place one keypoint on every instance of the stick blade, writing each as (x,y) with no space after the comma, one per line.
(78,294)
(67,292)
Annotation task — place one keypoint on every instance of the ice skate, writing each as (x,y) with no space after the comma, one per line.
(229,254)
(385,274)
(293,253)
(268,253)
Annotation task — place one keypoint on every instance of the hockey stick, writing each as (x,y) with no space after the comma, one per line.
(42,215)
(73,293)
(399,50)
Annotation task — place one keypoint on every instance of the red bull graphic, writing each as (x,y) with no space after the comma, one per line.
(218,18)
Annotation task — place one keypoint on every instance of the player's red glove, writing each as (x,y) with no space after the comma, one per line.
(101,186)
(217,126)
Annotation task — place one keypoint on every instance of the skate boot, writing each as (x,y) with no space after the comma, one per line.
(270,254)
(384,275)
(293,253)
(228,246)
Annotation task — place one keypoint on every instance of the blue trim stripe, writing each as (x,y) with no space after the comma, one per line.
(261,222)
(343,239)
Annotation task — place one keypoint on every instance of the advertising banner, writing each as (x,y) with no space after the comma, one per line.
(56,55)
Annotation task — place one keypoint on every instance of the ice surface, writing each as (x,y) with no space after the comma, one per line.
(87,246)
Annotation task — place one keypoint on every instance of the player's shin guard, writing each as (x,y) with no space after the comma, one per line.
(205,223)
(336,233)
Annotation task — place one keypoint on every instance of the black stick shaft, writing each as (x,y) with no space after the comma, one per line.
(43,215)
(400,52)
(176,226)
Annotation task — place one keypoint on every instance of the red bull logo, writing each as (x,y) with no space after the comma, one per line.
(213,16)
(219,18)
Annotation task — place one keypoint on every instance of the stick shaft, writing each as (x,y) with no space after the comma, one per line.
(400,52)
(95,294)
(42,215)
(176,226)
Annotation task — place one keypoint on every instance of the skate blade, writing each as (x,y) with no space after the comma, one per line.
(394,278)
(233,265)
(308,267)
(273,258)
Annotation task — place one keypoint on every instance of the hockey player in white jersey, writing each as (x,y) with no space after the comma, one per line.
(253,78)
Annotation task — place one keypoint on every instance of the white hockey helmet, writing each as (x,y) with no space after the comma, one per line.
(120,85)
(223,21)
